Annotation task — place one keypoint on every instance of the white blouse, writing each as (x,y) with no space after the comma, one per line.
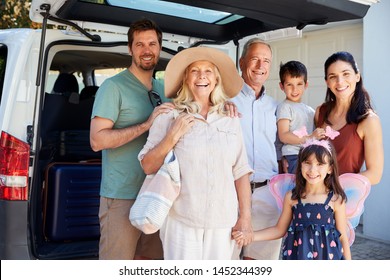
(211,156)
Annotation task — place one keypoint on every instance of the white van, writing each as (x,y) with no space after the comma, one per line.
(49,176)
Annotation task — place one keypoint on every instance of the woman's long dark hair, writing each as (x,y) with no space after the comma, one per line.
(360,104)
(322,154)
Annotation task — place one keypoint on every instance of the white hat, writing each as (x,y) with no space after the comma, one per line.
(232,82)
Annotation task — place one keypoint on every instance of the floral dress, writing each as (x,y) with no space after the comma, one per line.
(312,234)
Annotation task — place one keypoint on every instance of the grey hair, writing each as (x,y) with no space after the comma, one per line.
(252,42)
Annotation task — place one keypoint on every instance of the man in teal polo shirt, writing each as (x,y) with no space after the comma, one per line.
(124,110)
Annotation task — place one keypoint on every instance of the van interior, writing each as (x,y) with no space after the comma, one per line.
(66,185)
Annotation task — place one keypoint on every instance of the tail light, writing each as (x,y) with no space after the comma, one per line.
(14,164)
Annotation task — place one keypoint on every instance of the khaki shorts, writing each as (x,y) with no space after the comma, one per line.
(119,239)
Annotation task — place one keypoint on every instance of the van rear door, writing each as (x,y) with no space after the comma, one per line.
(215,20)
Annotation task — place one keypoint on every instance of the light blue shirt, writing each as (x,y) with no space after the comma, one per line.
(258,122)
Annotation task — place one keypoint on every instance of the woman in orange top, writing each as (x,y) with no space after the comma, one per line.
(347,109)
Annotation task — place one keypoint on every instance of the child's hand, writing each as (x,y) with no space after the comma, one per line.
(318,133)
(239,237)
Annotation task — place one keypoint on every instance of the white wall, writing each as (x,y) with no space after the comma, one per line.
(376,76)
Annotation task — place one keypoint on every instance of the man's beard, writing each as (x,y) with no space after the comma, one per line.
(145,67)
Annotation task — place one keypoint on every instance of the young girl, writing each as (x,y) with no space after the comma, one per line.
(313,214)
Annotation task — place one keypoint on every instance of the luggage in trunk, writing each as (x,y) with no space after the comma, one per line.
(72,201)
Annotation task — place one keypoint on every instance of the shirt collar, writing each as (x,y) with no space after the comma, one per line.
(248,91)
(210,116)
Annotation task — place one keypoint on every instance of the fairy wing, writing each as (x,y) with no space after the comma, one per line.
(356,187)
(279,185)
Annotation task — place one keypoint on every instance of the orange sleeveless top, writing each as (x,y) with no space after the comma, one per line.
(348,145)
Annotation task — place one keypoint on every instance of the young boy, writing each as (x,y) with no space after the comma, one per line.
(293,116)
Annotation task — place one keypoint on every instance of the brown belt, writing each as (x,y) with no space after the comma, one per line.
(255,185)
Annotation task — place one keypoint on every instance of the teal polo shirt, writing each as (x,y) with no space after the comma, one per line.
(124,100)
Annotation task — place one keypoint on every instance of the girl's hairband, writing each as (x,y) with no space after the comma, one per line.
(329,132)
(322,143)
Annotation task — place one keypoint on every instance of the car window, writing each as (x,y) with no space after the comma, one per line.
(3,62)
(52,77)
(176,9)
(102,74)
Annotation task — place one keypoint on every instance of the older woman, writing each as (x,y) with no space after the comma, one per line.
(347,109)
(215,191)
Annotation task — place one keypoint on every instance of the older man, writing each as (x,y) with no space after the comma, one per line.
(258,122)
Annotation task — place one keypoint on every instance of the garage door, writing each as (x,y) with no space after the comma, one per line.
(312,49)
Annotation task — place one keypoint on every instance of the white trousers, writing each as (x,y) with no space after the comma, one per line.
(265,213)
(182,242)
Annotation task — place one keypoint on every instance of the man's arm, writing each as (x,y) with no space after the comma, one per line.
(104,136)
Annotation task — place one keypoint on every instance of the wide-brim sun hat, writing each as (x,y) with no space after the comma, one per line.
(231,80)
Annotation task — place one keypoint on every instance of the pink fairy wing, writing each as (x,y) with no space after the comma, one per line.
(350,233)
(279,185)
(356,187)
(301,132)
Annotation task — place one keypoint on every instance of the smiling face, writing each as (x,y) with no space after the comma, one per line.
(145,50)
(293,87)
(201,79)
(341,79)
(256,65)
(315,171)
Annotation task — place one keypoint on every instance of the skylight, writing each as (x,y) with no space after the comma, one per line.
(177,10)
